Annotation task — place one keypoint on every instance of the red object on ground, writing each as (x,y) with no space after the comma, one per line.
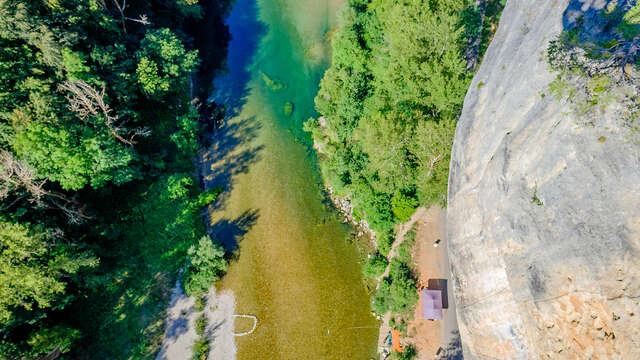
(395,340)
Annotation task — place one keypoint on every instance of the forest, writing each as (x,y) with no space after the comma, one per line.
(99,138)
(98,141)
(390,101)
(388,109)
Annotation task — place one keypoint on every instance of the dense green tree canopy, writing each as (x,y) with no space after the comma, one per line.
(389,103)
(32,268)
(98,138)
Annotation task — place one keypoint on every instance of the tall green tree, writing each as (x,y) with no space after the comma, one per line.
(396,81)
(205,266)
(33,266)
(164,63)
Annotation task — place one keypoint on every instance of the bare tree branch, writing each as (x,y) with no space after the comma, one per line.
(121,7)
(17,176)
(88,103)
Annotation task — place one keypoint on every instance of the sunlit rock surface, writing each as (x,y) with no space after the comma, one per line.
(544,211)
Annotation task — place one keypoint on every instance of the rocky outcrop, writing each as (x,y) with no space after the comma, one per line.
(344,206)
(544,209)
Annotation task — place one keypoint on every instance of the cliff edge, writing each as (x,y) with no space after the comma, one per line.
(544,208)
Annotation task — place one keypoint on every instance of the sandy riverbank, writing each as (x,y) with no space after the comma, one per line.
(180,334)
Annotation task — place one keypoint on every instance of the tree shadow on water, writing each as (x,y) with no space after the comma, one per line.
(230,232)
(247,31)
(224,159)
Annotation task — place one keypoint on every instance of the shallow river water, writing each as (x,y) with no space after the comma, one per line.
(295,268)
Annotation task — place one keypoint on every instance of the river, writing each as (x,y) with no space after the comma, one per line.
(296,266)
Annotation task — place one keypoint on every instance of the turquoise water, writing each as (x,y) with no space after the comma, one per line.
(294,267)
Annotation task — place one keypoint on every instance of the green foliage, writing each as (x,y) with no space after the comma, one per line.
(33,267)
(164,63)
(201,323)
(189,8)
(384,242)
(64,149)
(396,293)
(406,248)
(403,207)
(535,199)
(199,304)
(207,197)
(628,30)
(389,103)
(142,206)
(200,349)
(408,353)
(206,265)
(380,301)
(74,64)
(632,16)
(375,265)
(187,136)
(152,233)
(399,325)
(46,340)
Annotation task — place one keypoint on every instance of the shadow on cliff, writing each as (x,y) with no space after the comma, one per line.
(598,22)
(453,351)
(247,31)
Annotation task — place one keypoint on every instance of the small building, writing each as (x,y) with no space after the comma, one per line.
(431,304)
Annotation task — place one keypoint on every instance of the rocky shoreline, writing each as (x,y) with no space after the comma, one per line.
(344,206)
(343,203)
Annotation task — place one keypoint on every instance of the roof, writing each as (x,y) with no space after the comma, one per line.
(431,304)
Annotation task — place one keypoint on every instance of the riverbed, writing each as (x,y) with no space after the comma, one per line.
(296,266)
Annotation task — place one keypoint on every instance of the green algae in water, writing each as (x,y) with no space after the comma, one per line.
(273,84)
(288,108)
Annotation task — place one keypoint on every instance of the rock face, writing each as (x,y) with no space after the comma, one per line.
(544,211)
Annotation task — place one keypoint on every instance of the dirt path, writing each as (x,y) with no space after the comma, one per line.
(417,217)
(180,334)
(404,229)
(433,263)
(429,263)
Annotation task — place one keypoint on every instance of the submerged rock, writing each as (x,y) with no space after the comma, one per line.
(544,209)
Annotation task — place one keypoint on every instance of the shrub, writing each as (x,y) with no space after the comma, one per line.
(399,325)
(385,240)
(403,207)
(396,293)
(380,300)
(406,248)
(206,264)
(408,353)
(200,349)
(199,304)
(207,197)
(375,265)
(201,322)
(47,340)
